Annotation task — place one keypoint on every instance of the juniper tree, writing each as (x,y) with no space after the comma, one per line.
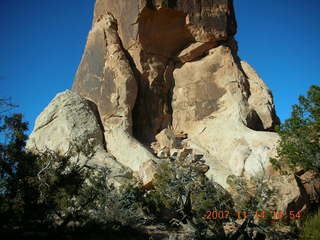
(300,134)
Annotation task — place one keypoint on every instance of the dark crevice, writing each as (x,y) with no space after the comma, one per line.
(153,111)
(153,107)
(95,111)
(138,102)
(160,43)
(200,10)
(169,77)
(254,122)
(150,5)
(172,3)
(139,108)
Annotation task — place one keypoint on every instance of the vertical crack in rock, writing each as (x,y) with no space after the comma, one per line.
(162,32)
(153,111)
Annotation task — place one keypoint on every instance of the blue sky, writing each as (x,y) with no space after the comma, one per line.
(42,42)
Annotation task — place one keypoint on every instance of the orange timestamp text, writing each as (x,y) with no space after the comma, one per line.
(275,215)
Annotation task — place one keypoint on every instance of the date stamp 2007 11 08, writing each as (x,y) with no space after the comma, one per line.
(275,215)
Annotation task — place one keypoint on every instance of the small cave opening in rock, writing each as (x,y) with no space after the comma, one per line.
(254,122)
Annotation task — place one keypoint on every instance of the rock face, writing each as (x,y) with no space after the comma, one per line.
(262,111)
(154,65)
(150,33)
(105,76)
(71,119)
(211,102)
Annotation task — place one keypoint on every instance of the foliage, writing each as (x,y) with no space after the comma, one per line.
(173,183)
(300,134)
(5,106)
(311,230)
(35,187)
(253,194)
(255,201)
(114,205)
(47,190)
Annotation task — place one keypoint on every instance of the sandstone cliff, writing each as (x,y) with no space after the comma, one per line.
(162,78)
(157,71)
(149,65)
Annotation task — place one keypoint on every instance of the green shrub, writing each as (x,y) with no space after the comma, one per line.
(112,205)
(256,199)
(311,228)
(181,192)
(46,190)
(300,145)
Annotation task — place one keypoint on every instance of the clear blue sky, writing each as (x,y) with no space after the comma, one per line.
(42,42)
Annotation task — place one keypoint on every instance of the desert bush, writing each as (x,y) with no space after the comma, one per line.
(254,194)
(311,230)
(255,201)
(113,205)
(47,190)
(184,194)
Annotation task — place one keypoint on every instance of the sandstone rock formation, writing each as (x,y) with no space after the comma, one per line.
(71,120)
(311,183)
(154,65)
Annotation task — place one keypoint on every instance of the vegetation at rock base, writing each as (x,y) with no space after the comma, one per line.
(182,196)
(254,195)
(300,135)
(311,230)
(45,191)
(299,147)
(256,199)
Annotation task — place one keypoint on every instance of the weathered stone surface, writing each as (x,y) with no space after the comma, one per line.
(126,149)
(293,195)
(195,50)
(153,32)
(260,101)
(203,168)
(311,184)
(146,173)
(69,119)
(298,191)
(183,154)
(147,21)
(105,75)
(151,64)
(209,95)
(166,138)
(163,153)
(210,103)
(206,86)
